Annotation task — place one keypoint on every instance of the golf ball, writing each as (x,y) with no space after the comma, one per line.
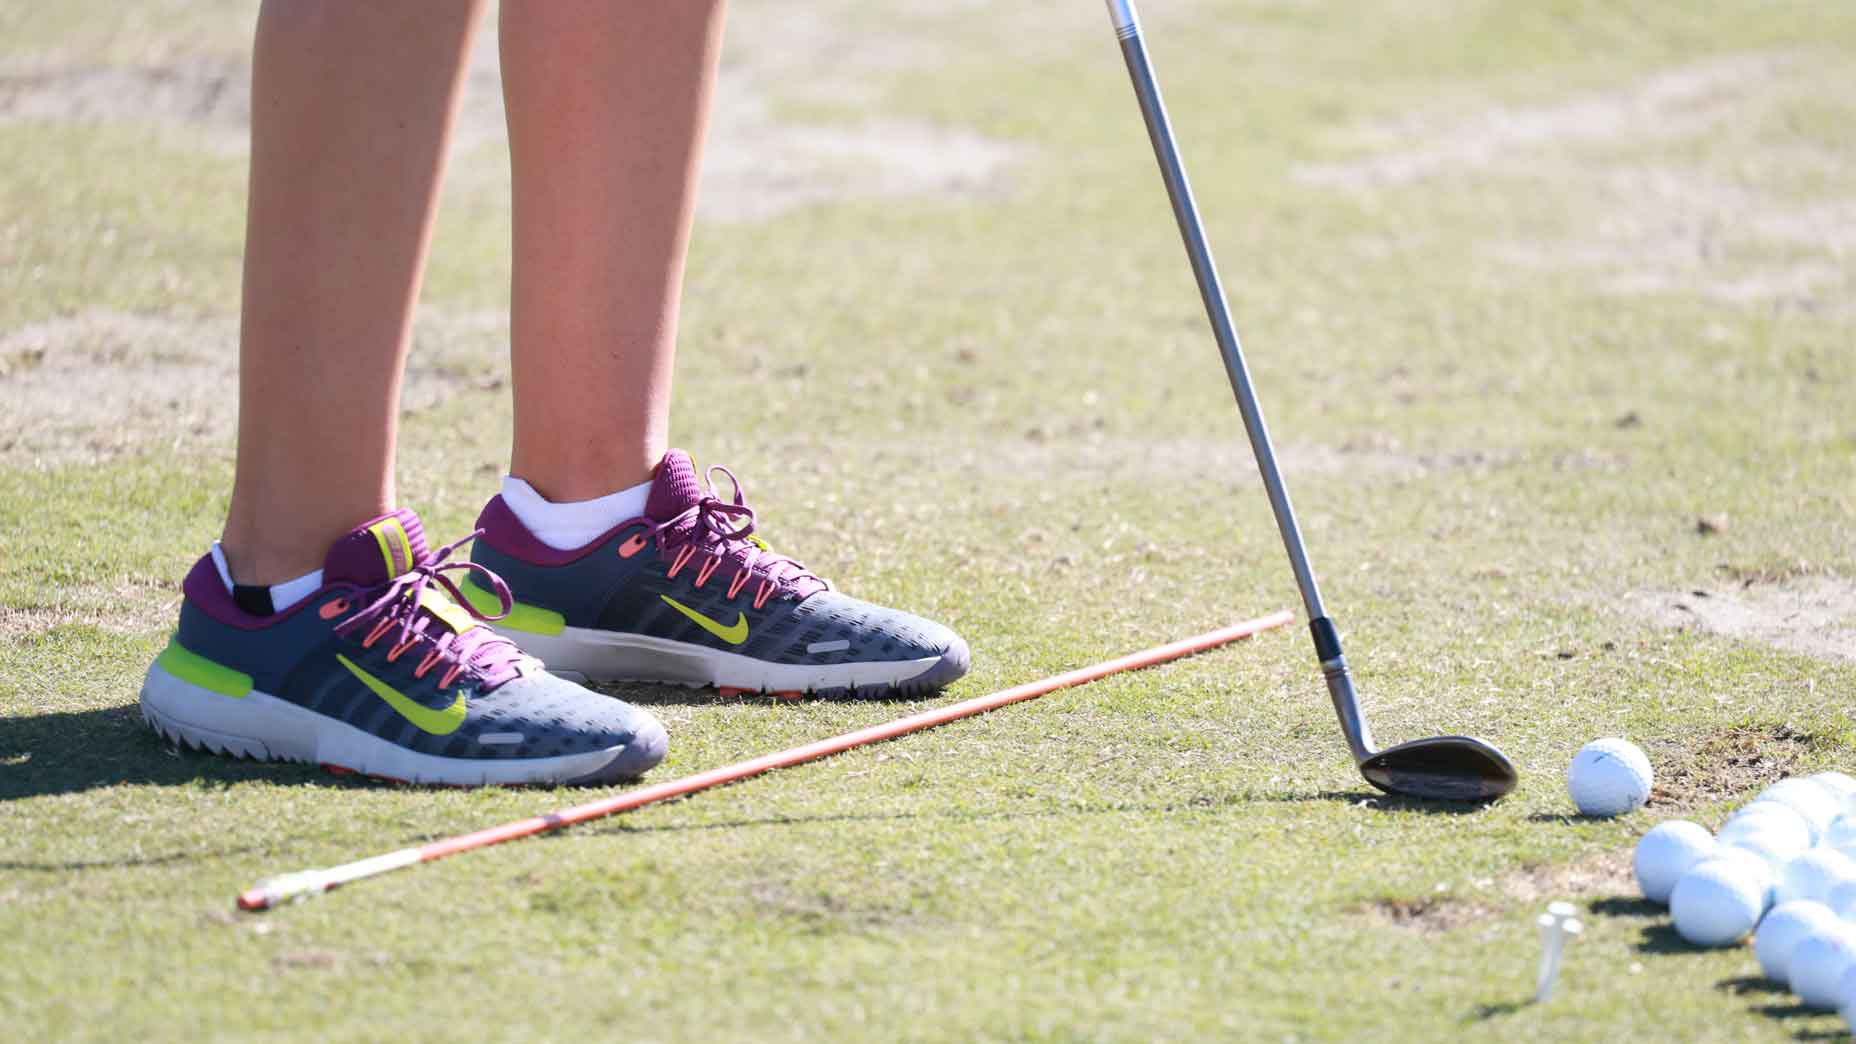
(1667,852)
(1808,799)
(1782,930)
(1816,965)
(1791,829)
(1846,996)
(1771,850)
(1839,785)
(1841,834)
(1765,874)
(1609,777)
(1812,876)
(1842,899)
(1719,901)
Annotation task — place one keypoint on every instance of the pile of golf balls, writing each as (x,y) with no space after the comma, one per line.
(1783,870)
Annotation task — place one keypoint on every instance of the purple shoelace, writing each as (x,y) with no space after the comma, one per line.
(725,529)
(481,650)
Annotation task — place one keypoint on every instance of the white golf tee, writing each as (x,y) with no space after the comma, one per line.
(1556,925)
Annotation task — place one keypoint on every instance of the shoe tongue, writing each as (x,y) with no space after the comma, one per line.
(378,551)
(675,488)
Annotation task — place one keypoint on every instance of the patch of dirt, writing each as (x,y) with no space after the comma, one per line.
(1428,915)
(1813,615)
(821,912)
(135,613)
(101,384)
(1114,457)
(1608,873)
(317,959)
(758,162)
(1725,764)
(213,95)
(1385,457)
(296,959)
(1671,104)
(1662,230)
(1605,875)
(1727,220)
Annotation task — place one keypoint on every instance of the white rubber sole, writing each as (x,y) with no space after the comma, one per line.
(260,726)
(611,656)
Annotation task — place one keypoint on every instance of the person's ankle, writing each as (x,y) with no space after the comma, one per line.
(565,477)
(265,560)
(263,566)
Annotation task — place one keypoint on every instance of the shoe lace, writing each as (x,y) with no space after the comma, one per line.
(725,529)
(401,601)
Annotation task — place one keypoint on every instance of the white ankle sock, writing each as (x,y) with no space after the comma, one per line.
(282,596)
(573,524)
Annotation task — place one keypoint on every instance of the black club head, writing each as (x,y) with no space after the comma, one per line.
(1442,768)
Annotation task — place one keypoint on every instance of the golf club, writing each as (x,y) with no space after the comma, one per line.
(1452,768)
(307,883)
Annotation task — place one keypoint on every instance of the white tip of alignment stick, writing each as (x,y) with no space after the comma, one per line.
(275,891)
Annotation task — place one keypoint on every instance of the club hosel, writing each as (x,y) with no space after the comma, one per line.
(1340,688)
(1121,12)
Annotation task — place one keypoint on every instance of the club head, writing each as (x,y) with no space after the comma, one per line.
(1442,768)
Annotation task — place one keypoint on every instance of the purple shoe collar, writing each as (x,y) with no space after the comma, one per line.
(386,564)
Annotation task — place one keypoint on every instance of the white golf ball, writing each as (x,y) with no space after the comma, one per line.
(1838,785)
(1842,899)
(1770,850)
(1846,996)
(1782,930)
(1763,872)
(1841,835)
(1609,777)
(1769,817)
(1717,902)
(1812,876)
(1816,965)
(1811,801)
(1667,852)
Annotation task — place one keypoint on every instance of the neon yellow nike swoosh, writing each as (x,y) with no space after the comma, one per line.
(732,635)
(437,722)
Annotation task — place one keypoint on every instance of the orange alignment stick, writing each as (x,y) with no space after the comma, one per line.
(307,883)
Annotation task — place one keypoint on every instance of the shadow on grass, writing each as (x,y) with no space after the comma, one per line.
(72,866)
(621,826)
(1380,802)
(1662,937)
(1743,985)
(1484,1012)
(1625,906)
(1758,987)
(74,751)
(647,694)
(1794,1010)
(1561,817)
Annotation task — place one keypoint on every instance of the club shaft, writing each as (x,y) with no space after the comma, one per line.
(1217,310)
(315,882)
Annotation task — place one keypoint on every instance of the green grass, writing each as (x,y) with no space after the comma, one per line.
(1002,408)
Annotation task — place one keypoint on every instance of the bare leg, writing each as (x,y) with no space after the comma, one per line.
(607,108)
(352,107)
